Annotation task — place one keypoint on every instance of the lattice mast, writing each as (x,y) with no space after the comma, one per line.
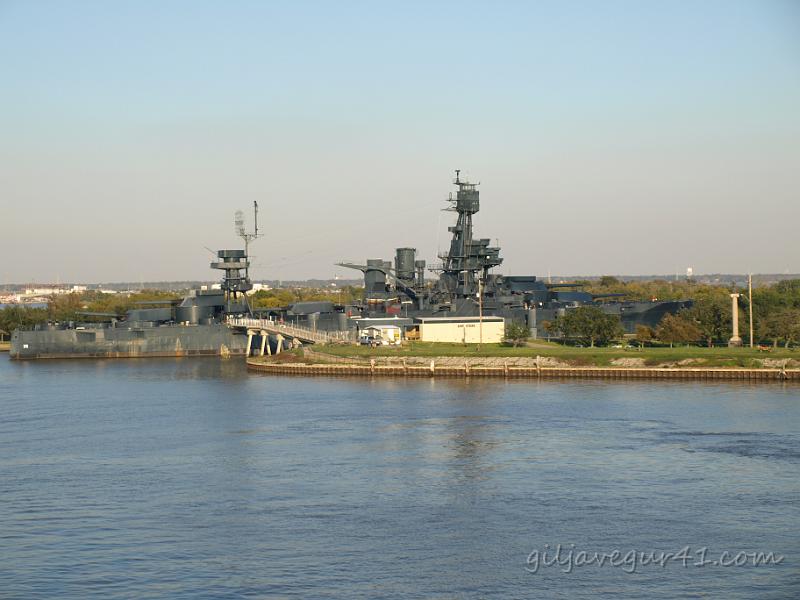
(239,225)
(468,260)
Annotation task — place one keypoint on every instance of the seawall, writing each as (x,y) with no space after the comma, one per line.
(375,370)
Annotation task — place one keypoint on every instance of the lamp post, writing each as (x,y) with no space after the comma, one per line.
(480,311)
(750,304)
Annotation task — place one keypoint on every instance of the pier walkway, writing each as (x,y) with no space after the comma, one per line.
(264,327)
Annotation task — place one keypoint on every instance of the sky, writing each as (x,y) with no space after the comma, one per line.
(608,137)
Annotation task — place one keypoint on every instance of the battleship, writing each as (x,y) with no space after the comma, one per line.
(203,323)
(397,292)
(466,287)
(196,325)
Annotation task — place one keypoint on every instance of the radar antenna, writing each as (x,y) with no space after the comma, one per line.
(238,223)
(239,226)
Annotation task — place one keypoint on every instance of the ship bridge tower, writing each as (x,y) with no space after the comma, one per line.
(468,260)
(236,280)
(236,265)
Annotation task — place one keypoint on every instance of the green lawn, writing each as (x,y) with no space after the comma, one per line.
(718,357)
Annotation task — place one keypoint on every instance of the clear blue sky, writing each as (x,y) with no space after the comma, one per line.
(609,137)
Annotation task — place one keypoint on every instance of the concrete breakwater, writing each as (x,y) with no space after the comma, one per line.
(432,369)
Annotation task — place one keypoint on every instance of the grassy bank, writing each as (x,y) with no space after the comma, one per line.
(5,346)
(707,357)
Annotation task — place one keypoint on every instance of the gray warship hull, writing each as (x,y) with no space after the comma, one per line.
(193,326)
(110,342)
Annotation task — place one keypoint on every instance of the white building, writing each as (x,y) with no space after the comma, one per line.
(466,330)
(45,291)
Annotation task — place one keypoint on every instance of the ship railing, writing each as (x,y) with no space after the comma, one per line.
(303,333)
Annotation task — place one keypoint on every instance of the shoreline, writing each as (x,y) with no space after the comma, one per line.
(516,372)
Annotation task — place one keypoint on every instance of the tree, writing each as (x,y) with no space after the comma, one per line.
(280,297)
(608,281)
(677,329)
(552,328)
(16,317)
(770,320)
(781,325)
(644,334)
(517,333)
(591,324)
(711,313)
(643,290)
(789,289)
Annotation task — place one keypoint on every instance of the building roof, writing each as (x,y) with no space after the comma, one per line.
(485,319)
(362,322)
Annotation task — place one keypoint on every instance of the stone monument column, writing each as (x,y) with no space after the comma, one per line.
(735,339)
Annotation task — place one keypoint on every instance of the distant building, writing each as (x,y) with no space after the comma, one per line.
(259,287)
(45,291)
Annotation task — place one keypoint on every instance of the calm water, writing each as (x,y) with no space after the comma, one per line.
(191,479)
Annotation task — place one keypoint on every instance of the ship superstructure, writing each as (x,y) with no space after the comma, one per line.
(468,262)
(195,325)
(466,285)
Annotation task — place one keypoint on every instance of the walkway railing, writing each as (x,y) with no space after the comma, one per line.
(303,334)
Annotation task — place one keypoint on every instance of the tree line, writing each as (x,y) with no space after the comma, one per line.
(279,297)
(65,307)
(776,315)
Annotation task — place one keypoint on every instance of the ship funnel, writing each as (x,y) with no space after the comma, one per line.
(404,263)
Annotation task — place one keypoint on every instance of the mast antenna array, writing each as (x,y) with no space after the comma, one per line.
(239,226)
